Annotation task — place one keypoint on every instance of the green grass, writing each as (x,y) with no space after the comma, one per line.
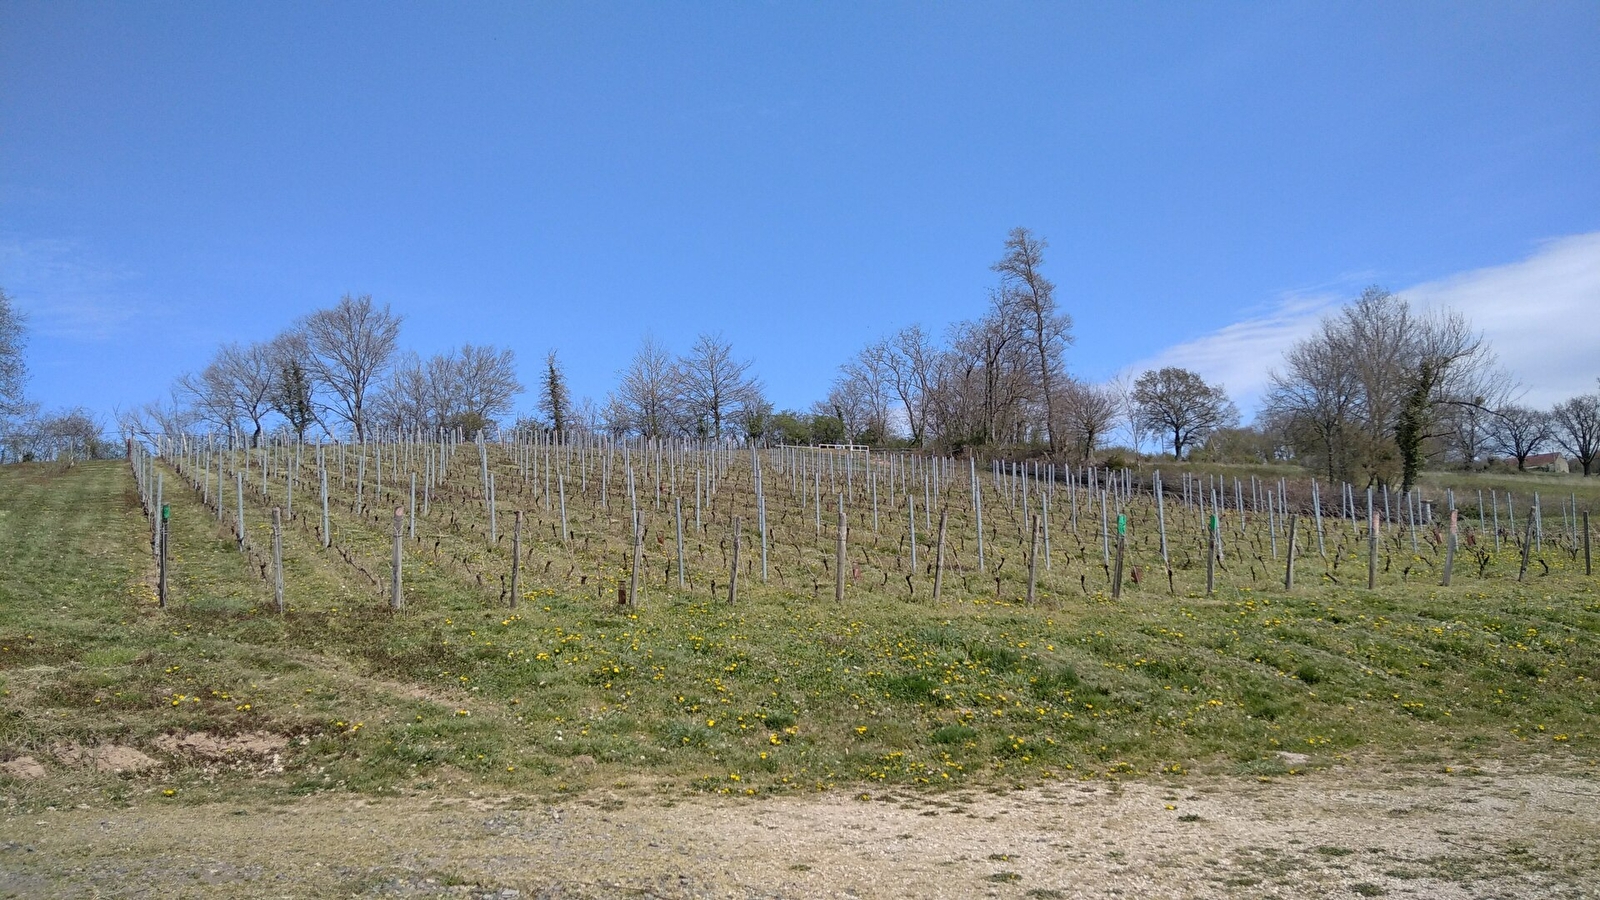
(781,693)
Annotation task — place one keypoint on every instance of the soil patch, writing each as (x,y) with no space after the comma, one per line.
(113,758)
(213,747)
(24,767)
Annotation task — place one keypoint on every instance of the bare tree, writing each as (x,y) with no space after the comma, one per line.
(1577,429)
(614,416)
(951,405)
(351,344)
(1087,413)
(407,400)
(155,419)
(1121,390)
(468,390)
(554,400)
(647,397)
(232,392)
(848,404)
(986,377)
(1369,391)
(483,381)
(68,434)
(714,385)
(586,416)
(244,373)
(1519,432)
(863,390)
(755,416)
(1470,424)
(13,369)
(912,361)
(1181,404)
(205,405)
(1314,399)
(1044,327)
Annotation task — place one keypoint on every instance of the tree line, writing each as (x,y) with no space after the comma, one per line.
(339,371)
(1375,393)
(1380,389)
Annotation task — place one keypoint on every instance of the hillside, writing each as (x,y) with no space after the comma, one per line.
(219,700)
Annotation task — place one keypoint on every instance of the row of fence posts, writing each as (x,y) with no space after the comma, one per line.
(397,599)
(1373,528)
(1036,533)
(144,469)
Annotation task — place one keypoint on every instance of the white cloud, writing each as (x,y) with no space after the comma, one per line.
(1238,356)
(1541,315)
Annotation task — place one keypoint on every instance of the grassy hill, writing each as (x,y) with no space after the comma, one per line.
(784,692)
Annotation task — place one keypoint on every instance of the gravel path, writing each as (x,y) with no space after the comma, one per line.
(1329,834)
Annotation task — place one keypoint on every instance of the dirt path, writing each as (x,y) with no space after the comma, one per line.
(1330,834)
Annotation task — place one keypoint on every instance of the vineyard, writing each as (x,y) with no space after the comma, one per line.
(680,611)
(615,520)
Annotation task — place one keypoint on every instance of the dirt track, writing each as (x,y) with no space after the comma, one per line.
(1328,834)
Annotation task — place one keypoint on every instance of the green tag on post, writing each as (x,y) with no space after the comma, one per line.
(166,512)
(1213,522)
(1122,524)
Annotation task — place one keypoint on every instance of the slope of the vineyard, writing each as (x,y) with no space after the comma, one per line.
(108,696)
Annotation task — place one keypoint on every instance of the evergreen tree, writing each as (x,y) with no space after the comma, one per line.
(554,400)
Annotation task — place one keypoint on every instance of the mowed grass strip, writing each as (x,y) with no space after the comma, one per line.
(783,693)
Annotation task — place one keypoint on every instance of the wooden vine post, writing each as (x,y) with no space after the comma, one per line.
(1449,552)
(327,537)
(1588,561)
(516,559)
(277,560)
(838,568)
(1288,567)
(1122,546)
(1033,557)
(1527,546)
(238,478)
(1211,555)
(161,555)
(733,575)
(677,510)
(396,600)
(638,559)
(1372,551)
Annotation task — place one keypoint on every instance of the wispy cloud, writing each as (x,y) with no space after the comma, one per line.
(1540,314)
(1239,356)
(66,294)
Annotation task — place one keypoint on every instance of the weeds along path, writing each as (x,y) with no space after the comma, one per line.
(1344,833)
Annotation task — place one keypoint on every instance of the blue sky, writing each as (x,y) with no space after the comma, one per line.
(801,177)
